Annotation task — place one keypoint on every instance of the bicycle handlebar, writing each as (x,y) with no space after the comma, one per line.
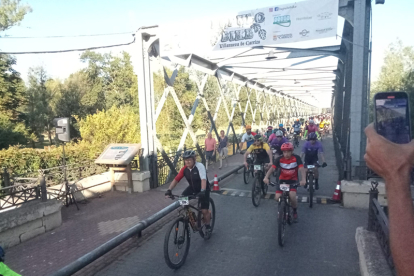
(189,197)
(273,184)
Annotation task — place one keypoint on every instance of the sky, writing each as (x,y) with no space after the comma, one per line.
(82,17)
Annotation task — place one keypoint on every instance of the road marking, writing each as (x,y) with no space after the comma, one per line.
(241,194)
(304,199)
(323,200)
(234,193)
(225,192)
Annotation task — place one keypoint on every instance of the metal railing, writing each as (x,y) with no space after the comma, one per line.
(378,223)
(116,241)
(163,171)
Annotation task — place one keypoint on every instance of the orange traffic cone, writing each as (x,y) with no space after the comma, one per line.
(337,194)
(216,186)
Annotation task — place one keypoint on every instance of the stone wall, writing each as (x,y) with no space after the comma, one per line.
(29,220)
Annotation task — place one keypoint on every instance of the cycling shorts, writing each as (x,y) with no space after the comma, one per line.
(204,201)
(311,161)
(292,184)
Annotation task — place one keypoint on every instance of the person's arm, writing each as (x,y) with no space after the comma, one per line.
(248,151)
(269,173)
(177,179)
(302,175)
(394,163)
(269,152)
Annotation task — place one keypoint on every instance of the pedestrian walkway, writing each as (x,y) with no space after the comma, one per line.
(95,223)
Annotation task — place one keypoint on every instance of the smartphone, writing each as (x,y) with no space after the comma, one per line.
(392,116)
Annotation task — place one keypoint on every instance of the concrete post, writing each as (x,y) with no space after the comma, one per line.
(359,106)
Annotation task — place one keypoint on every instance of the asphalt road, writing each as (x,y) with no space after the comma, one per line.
(244,242)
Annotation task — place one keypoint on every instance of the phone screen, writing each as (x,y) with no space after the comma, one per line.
(393,119)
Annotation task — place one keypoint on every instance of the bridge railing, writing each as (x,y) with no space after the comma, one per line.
(378,223)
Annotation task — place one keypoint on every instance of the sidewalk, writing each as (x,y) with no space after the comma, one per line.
(95,223)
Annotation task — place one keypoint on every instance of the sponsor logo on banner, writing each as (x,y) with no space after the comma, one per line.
(284,36)
(323,31)
(304,33)
(270,9)
(304,18)
(285,8)
(283,20)
(324,16)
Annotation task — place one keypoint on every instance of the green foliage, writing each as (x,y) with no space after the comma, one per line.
(116,125)
(11,88)
(12,13)
(397,74)
(12,133)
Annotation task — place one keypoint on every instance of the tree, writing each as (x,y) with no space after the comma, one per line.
(12,133)
(12,13)
(11,88)
(39,113)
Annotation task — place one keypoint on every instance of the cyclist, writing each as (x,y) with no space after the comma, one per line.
(297,128)
(278,141)
(195,174)
(261,150)
(269,131)
(302,121)
(322,125)
(290,164)
(4,269)
(311,128)
(248,137)
(310,151)
(273,136)
(282,129)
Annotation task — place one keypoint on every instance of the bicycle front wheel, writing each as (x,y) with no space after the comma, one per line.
(310,185)
(246,175)
(201,223)
(177,243)
(256,192)
(281,222)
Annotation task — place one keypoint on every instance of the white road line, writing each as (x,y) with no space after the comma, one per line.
(304,199)
(241,194)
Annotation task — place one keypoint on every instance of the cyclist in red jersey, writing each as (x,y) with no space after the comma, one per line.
(290,165)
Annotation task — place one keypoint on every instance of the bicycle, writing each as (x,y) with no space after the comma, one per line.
(258,186)
(285,212)
(180,229)
(295,140)
(310,181)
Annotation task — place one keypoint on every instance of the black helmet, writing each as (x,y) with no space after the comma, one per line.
(189,154)
(258,137)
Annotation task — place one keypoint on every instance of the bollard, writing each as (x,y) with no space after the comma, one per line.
(373,193)
(43,191)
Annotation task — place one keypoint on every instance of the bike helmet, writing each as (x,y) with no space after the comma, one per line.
(311,122)
(280,125)
(258,137)
(2,255)
(287,147)
(279,133)
(269,128)
(312,136)
(189,154)
(248,127)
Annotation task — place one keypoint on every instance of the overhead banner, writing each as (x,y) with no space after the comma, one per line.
(289,23)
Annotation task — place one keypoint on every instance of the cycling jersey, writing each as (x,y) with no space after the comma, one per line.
(322,124)
(283,130)
(248,138)
(289,168)
(311,128)
(296,127)
(194,176)
(276,144)
(311,152)
(268,133)
(261,152)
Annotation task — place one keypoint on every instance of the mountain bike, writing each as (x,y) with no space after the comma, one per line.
(285,212)
(177,239)
(310,181)
(295,140)
(258,187)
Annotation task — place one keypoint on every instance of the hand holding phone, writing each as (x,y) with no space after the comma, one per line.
(392,116)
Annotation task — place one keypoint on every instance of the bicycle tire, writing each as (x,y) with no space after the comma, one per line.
(281,218)
(264,187)
(186,234)
(246,175)
(256,192)
(212,210)
(310,185)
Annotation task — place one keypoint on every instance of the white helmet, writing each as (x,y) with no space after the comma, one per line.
(311,122)
(279,133)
